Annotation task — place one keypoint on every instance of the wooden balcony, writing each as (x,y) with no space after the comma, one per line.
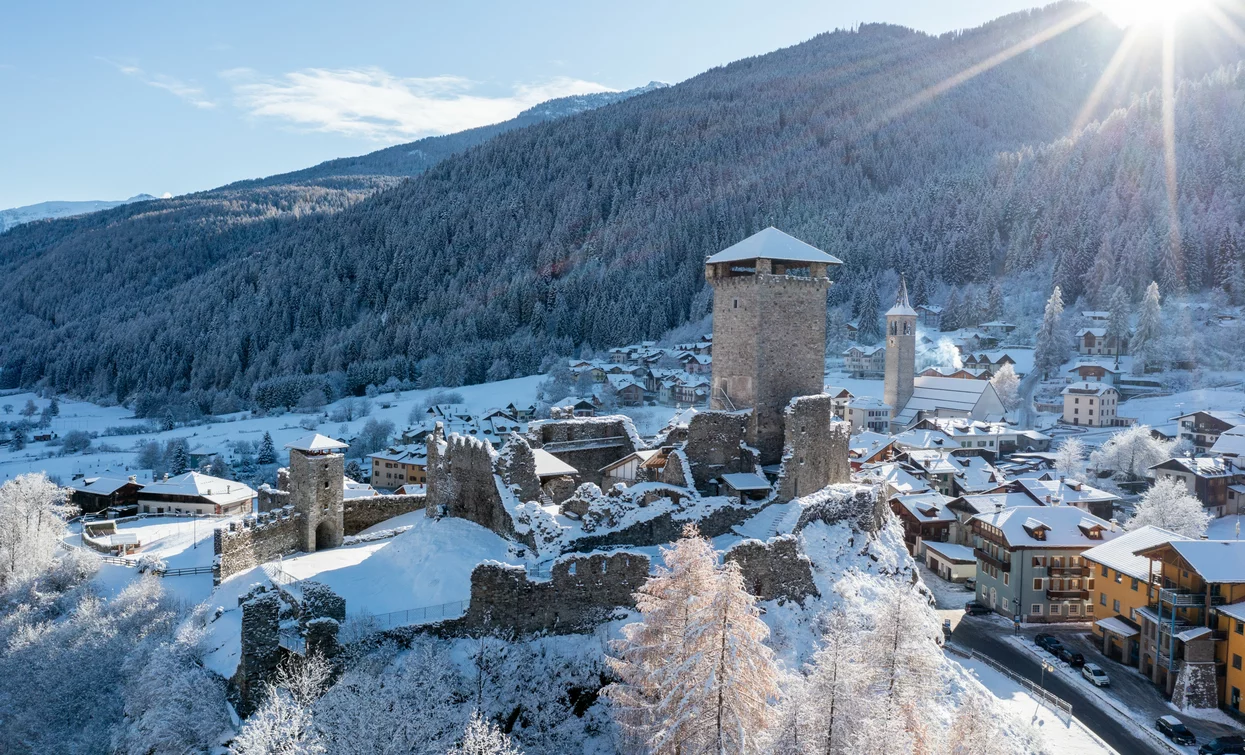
(1068,571)
(1067,594)
(996,563)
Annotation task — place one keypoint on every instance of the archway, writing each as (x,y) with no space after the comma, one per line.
(325,536)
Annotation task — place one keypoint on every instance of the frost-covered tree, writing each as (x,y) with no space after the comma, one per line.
(180,463)
(1117,321)
(1146,342)
(1168,505)
(976,728)
(1007,386)
(1070,458)
(33,511)
(18,441)
(868,310)
(1130,453)
(283,722)
(483,737)
(267,453)
(1052,342)
(374,436)
(29,409)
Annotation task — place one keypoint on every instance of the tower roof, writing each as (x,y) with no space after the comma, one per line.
(902,307)
(316,443)
(773,244)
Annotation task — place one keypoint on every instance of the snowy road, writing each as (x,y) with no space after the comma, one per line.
(980,634)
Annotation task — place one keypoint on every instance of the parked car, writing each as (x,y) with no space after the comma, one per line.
(1223,746)
(1048,642)
(1071,657)
(1175,730)
(973,608)
(970,584)
(1096,676)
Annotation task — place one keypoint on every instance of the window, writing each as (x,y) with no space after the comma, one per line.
(1236,662)
(1073,610)
(1037,583)
(1039,562)
(1240,627)
(1054,609)
(1104,571)
(1115,606)
(1134,584)
(1102,598)
(1089,608)
(1006,579)
(1036,609)
(1118,577)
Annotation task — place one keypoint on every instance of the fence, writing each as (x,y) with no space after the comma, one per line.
(1062,707)
(451,610)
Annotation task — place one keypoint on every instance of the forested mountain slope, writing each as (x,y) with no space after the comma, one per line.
(592,229)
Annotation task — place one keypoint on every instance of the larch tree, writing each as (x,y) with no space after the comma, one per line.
(1146,341)
(1117,321)
(1169,505)
(1052,342)
(835,681)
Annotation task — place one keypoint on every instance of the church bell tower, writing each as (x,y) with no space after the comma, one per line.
(900,351)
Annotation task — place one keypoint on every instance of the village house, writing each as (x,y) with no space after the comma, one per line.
(1029,561)
(867,413)
(94,494)
(868,447)
(1186,636)
(1092,405)
(1231,626)
(1215,481)
(1094,371)
(956,474)
(195,493)
(398,466)
(949,397)
(865,361)
(1051,492)
(625,470)
(997,328)
(929,316)
(1124,583)
(965,507)
(1096,341)
(838,399)
(924,518)
(1203,428)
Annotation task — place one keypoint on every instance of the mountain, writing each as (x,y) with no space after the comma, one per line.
(892,149)
(416,157)
(42,210)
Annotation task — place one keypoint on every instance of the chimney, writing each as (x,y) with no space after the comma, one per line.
(1114,523)
(1048,499)
(133,478)
(166,476)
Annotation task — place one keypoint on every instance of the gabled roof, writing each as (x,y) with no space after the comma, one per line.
(98,485)
(984,503)
(773,244)
(195,484)
(1064,526)
(1089,389)
(1215,561)
(316,442)
(1067,491)
(745,481)
(1095,332)
(1120,553)
(548,465)
(1201,466)
(955,394)
(1230,443)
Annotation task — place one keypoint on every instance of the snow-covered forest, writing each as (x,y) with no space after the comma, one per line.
(590,230)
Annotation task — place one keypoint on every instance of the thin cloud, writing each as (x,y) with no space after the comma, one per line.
(175,86)
(371,103)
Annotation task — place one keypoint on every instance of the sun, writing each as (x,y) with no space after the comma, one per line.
(1148,12)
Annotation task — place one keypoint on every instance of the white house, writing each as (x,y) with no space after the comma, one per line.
(195,493)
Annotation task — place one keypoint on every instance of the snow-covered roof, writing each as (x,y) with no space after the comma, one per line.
(1215,561)
(1065,526)
(745,481)
(926,507)
(902,306)
(1117,627)
(837,391)
(866,402)
(315,443)
(1223,415)
(1230,443)
(895,476)
(865,350)
(1095,332)
(773,244)
(1202,466)
(924,439)
(986,502)
(1067,491)
(1104,364)
(952,551)
(352,489)
(548,465)
(1089,389)
(934,308)
(195,484)
(98,485)
(1235,610)
(1121,553)
(867,442)
(1193,633)
(954,394)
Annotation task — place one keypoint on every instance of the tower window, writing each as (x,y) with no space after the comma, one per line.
(736,304)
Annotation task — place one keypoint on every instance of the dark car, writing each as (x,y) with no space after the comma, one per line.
(1071,657)
(1223,746)
(1048,642)
(973,608)
(1175,730)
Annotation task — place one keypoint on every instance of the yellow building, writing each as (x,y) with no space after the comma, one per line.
(395,467)
(1123,583)
(1232,627)
(1184,648)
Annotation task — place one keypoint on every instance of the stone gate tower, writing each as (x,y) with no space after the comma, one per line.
(317,472)
(900,351)
(769,330)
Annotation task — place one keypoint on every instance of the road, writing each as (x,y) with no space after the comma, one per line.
(1027,416)
(981,634)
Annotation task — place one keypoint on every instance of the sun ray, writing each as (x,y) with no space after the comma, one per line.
(1169,137)
(1108,76)
(946,85)
(1225,22)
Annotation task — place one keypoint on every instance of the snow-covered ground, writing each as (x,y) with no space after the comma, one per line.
(1060,737)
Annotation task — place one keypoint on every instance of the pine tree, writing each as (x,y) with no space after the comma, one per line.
(54,407)
(1117,322)
(870,329)
(19,439)
(267,451)
(1052,343)
(994,302)
(1145,343)
(951,312)
(181,461)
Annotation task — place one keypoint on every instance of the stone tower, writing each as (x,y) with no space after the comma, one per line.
(769,330)
(316,478)
(900,351)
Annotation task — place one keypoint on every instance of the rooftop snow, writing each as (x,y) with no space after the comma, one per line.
(1215,561)
(1120,553)
(745,481)
(951,551)
(773,244)
(1117,627)
(1063,525)
(316,442)
(199,485)
(548,465)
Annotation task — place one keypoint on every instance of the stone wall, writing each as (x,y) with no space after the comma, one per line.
(581,593)
(775,570)
(360,513)
(586,443)
(317,492)
(244,544)
(716,445)
(261,649)
(517,467)
(270,498)
(862,505)
(666,528)
(461,482)
(1197,685)
(815,453)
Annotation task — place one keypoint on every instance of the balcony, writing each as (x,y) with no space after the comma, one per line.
(996,563)
(1067,594)
(1068,571)
(1182,598)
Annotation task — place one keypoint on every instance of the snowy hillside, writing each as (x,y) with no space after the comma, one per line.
(43,210)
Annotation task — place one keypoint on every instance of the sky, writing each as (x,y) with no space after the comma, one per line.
(108,100)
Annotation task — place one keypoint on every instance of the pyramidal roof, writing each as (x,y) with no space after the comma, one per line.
(773,244)
(902,307)
(316,442)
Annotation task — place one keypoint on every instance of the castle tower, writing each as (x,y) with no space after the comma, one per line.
(316,477)
(769,330)
(900,351)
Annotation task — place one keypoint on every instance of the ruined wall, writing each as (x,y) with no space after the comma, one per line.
(247,543)
(261,650)
(586,443)
(667,527)
(715,446)
(461,482)
(775,570)
(815,452)
(317,492)
(862,505)
(270,498)
(517,467)
(360,513)
(581,593)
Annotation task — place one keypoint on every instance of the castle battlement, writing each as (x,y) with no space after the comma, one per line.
(262,520)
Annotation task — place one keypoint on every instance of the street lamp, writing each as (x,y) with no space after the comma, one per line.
(1046,666)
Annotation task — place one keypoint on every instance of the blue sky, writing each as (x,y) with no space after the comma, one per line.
(107,100)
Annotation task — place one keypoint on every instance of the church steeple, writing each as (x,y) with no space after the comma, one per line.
(902,307)
(900,351)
